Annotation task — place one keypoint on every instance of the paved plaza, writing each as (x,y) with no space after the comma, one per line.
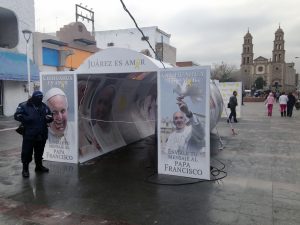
(262,186)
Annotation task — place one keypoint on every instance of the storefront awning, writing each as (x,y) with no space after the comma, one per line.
(13,66)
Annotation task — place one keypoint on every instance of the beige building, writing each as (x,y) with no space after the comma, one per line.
(65,50)
(276,72)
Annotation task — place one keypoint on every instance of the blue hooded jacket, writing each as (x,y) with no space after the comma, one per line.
(34,118)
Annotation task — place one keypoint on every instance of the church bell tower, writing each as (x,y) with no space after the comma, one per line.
(278,48)
(247,60)
(278,60)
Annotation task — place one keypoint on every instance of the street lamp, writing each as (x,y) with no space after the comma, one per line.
(27,35)
(298,81)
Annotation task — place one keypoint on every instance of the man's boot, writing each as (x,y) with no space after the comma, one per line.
(40,168)
(281,114)
(284,113)
(25,171)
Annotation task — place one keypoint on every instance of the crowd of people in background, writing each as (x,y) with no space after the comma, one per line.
(287,102)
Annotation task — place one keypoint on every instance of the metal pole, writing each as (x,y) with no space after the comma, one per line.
(28,69)
(162,48)
(27,35)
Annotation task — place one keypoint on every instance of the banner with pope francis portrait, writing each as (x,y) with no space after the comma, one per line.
(183,122)
(59,94)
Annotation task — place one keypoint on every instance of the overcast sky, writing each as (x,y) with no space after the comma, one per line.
(204,31)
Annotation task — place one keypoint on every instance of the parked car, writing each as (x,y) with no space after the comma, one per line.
(258,93)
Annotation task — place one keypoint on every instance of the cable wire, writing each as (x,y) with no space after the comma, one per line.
(144,37)
(217,174)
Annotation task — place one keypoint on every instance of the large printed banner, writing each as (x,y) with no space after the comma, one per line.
(183,122)
(226,89)
(99,133)
(59,94)
(114,110)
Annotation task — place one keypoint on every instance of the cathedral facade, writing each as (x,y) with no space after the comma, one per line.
(276,73)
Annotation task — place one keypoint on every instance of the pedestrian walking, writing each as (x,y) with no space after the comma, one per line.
(290,104)
(283,99)
(269,103)
(277,95)
(232,105)
(35,116)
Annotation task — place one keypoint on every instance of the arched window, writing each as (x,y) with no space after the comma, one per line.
(8,29)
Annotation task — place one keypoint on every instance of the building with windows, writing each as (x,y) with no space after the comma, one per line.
(66,50)
(15,17)
(133,39)
(276,72)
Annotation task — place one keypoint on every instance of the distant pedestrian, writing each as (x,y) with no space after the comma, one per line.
(290,104)
(277,94)
(232,105)
(283,99)
(35,116)
(269,102)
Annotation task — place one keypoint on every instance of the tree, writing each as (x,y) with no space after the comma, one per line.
(260,83)
(223,72)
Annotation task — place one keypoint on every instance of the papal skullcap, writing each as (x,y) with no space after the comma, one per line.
(53,92)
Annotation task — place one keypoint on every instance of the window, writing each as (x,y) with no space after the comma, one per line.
(260,69)
(110,44)
(50,57)
(9,29)
(145,38)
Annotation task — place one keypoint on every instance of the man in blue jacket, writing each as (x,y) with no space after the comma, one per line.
(35,116)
